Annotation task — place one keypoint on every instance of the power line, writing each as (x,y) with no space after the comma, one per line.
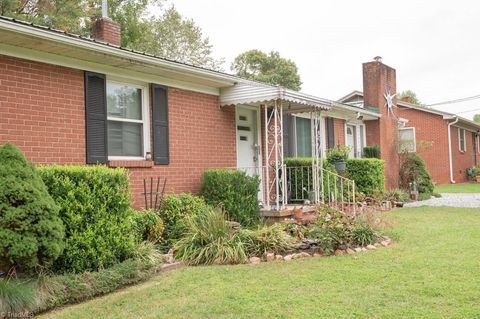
(465,99)
(477,109)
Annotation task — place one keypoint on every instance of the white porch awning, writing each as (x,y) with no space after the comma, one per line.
(256,93)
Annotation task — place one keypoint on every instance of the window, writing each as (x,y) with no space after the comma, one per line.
(407,139)
(303,131)
(462,143)
(127,125)
(478,144)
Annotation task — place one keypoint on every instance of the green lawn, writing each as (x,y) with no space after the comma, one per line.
(433,271)
(459,188)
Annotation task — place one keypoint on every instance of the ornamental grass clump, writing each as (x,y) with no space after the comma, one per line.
(266,239)
(209,239)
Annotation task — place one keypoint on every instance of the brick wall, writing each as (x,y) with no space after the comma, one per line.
(432,142)
(372,132)
(462,160)
(339,131)
(43,112)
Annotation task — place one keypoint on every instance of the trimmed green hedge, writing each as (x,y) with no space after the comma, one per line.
(368,174)
(95,208)
(235,191)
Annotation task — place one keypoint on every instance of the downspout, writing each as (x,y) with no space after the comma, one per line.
(450,148)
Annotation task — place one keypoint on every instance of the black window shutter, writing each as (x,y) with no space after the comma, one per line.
(331,134)
(96,118)
(288,135)
(161,153)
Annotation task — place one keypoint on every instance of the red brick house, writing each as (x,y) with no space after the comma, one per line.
(449,144)
(73,100)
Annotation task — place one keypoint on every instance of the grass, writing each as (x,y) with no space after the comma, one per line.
(459,188)
(431,272)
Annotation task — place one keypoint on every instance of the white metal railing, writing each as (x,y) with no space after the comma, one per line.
(332,189)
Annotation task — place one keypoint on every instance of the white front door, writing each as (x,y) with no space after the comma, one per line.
(248,143)
(351,142)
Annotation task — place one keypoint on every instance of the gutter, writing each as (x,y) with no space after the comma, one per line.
(450,148)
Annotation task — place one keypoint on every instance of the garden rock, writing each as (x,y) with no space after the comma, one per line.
(358,249)
(364,249)
(384,243)
(371,247)
(234,225)
(350,251)
(305,254)
(270,257)
(288,257)
(278,257)
(255,260)
(339,252)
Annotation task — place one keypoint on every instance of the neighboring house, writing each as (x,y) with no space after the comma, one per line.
(449,144)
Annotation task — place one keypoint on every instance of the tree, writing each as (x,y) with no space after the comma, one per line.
(169,36)
(411,95)
(31,231)
(270,68)
(476,118)
(173,37)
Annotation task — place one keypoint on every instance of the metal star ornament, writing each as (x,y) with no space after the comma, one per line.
(389,99)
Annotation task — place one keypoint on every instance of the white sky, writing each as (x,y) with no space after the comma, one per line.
(433,45)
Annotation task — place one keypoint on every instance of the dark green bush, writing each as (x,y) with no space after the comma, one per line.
(209,239)
(413,168)
(31,231)
(148,226)
(368,174)
(175,209)
(299,176)
(235,191)
(95,208)
(372,151)
(266,239)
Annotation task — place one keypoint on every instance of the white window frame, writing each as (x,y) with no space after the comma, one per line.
(464,140)
(145,117)
(359,126)
(295,116)
(478,144)
(414,138)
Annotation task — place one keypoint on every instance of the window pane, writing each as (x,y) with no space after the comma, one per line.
(125,139)
(304,137)
(407,141)
(124,102)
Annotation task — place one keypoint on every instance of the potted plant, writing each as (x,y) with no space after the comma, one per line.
(338,156)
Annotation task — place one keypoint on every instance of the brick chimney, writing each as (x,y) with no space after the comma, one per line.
(380,80)
(105,29)
(407,99)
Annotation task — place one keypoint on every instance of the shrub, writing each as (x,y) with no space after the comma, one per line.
(332,229)
(235,191)
(210,240)
(339,153)
(175,209)
(16,296)
(31,231)
(396,195)
(363,235)
(368,174)
(95,208)
(265,239)
(371,151)
(413,169)
(476,170)
(148,226)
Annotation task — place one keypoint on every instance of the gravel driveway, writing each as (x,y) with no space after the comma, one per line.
(450,199)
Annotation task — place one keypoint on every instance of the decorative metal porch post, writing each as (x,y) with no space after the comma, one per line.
(275,175)
(317,167)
